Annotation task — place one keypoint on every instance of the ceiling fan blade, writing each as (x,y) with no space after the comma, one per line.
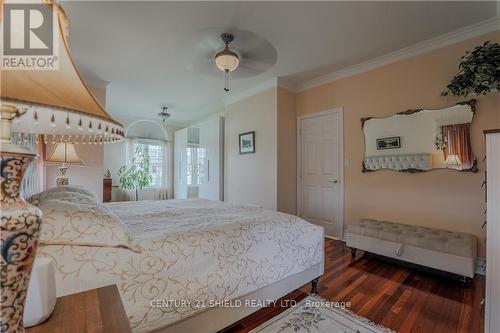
(243,72)
(257,54)
(203,43)
(263,54)
(205,69)
(255,64)
(209,43)
(196,60)
(247,43)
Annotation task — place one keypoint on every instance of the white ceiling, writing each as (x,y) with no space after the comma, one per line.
(139,46)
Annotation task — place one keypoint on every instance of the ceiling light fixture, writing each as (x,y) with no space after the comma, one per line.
(164,114)
(227,60)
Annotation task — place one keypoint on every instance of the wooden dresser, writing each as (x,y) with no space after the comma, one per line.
(94,311)
(492,305)
(106,189)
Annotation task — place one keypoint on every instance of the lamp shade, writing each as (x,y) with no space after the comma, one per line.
(52,101)
(65,153)
(57,102)
(453,162)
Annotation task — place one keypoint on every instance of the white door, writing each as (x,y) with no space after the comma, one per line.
(320,182)
(212,145)
(492,311)
(180,179)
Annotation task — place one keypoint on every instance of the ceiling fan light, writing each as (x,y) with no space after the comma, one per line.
(227,60)
(164,115)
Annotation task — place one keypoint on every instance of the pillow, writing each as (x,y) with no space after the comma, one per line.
(71,193)
(71,223)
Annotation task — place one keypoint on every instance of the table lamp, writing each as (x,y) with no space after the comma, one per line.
(54,103)
(64,153)
(453,162)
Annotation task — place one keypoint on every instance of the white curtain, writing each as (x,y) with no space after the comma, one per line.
(129,150)
(29,185)
(168,169)
(165,190)
(123,194)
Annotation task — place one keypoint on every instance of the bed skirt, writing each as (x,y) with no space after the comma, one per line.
(217,318)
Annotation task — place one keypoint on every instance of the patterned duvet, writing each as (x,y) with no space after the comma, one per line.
(195,251)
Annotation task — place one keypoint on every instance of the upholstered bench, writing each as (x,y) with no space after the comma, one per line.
(449,251)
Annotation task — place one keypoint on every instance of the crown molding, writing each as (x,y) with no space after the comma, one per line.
(273,83)
(220,113)
(213,110)
(450,38)
(290,86)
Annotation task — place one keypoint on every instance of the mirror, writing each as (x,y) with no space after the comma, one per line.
(420,140)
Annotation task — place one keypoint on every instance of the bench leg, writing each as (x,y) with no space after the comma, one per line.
(314,286)
(353,252)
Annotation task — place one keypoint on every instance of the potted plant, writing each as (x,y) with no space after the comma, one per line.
(136,176)
(479,72)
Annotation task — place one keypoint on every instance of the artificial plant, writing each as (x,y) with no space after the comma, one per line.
(136,176)
(479,72)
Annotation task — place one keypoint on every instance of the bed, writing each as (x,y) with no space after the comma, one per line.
(180,265)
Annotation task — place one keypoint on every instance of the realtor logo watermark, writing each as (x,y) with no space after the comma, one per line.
(29,37)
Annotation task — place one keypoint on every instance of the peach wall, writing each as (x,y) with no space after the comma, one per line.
(90,174)
(287,151)
(441,198)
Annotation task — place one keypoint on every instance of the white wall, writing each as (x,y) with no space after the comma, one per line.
(252,178)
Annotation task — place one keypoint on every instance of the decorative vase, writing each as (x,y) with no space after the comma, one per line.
(20,226)
(62,179)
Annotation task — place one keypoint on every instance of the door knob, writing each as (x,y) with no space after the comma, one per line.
(333,181)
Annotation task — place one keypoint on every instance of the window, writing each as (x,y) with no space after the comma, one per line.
(155,153)
(195,161)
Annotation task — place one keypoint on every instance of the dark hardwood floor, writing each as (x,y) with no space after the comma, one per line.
(400,298)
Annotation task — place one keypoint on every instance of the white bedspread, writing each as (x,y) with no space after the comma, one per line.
(193,250)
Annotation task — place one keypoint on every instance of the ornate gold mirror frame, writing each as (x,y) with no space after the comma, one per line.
(472,105)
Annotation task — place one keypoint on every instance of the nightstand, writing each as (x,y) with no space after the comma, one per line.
(107,188)
(94,311)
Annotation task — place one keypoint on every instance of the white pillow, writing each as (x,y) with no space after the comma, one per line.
(71,188)
(70,223)
(72,193)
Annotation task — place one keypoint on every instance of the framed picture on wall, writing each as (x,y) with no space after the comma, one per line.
(389,143)
(247,143)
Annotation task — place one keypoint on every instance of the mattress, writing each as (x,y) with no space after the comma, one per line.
(194,254)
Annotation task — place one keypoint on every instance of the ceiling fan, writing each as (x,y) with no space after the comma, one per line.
(234,52)
(164,114)
(227,60)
